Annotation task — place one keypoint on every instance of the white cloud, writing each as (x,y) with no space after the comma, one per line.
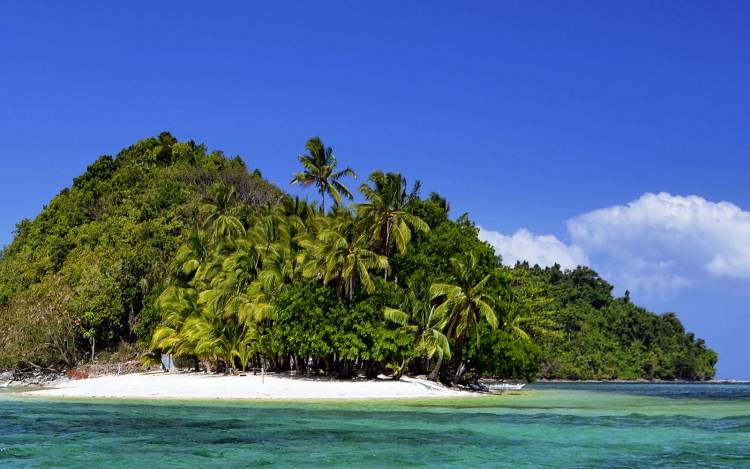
(654,244)
(524,245)
(671,239)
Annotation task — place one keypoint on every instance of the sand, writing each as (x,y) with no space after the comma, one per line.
(159,385)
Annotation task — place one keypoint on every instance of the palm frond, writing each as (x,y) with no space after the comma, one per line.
(396,315)
(443,289)
(487,312)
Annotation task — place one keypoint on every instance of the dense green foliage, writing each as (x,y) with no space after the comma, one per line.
(183,251)
(86,271)
(602,337)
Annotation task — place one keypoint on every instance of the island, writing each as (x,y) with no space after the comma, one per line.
(172,251)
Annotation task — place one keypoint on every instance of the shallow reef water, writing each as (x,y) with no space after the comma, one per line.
(544,425)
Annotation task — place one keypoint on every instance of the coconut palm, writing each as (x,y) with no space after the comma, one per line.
(211,334)
(220,220)
(177,305)
(192,254)
(385,215)
(420,318)
(294,206)
(242,350)
(463,304)
(320,171)
(276,236)
(340,254)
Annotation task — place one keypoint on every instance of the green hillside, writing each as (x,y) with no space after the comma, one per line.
(174,249)
(86,270)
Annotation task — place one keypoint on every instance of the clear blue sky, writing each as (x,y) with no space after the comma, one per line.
(525,114)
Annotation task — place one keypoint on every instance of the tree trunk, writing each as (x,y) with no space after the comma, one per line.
(387,244)
(400,372)
(435,373)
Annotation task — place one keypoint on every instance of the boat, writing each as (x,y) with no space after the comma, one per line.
(504,385)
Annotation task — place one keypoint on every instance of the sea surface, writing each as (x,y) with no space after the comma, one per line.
(545,425)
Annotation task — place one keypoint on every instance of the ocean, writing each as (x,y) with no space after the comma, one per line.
(544,425)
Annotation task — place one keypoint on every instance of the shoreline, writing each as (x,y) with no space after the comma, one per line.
(185,385)
(203,386)
(640,381)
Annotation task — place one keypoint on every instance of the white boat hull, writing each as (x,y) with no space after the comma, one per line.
(506,386)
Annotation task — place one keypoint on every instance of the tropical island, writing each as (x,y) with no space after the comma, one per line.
(169,249)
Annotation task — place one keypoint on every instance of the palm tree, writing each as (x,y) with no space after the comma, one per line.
(385,215)
(192,254)
(276,236)
(301,208)
(212,335)
(341,255)
(242,350)
(320,171)
(464,304)
(220,220)
(177,306)
(420,318)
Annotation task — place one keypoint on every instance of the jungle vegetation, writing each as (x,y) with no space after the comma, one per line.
(174,249)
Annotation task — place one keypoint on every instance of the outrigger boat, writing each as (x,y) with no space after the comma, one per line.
(505,386)
(499,386)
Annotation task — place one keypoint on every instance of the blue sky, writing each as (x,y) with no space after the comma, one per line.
(542,117)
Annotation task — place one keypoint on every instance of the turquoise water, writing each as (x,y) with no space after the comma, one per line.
(580,425)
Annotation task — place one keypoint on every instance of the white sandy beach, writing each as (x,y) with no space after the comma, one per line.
(158,385)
